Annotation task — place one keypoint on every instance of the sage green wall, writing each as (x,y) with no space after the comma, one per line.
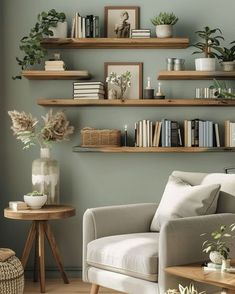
(90,180)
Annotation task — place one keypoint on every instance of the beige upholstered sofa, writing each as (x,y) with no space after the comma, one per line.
(120,252)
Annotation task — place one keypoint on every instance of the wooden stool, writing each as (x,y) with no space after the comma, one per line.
(38,230)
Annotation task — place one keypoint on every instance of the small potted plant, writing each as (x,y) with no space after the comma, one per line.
(164,24)
(218,246)
(210,40)
(227,57)
(35,199)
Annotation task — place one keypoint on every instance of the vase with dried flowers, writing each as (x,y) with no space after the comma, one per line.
(55,128)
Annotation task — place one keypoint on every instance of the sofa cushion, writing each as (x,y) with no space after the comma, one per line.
(134,255)
(180,199)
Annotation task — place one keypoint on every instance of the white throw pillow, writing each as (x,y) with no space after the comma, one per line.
(180,199)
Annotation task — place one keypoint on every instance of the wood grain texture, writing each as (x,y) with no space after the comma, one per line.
(94,289)
(56,75)
(28,244)
(152,149)
(47,212)
(196,273)
(196,75)
(136,102)
(41,257)
(115,43)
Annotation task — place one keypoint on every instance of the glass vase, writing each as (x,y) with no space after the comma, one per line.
(45,176)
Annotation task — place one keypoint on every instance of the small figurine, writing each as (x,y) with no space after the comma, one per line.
(159,94)
(122,29)
(112,94)
(148,91)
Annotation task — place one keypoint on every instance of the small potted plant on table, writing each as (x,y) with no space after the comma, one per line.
(209,42)
(35,199)
(227,57)
(164,24)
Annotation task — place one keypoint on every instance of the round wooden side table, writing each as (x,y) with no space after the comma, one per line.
(39,229)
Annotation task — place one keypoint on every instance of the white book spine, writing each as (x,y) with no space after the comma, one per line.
(201,134)
(144,133)
(83,27)
(189,133)
(140,134)
(148,133)
(151,134)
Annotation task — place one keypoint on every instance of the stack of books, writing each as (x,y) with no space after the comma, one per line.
(229,131)
(18,205)
(54,65)
(85,27)
(88,90)
(171,134)
(145,33)
(199,133)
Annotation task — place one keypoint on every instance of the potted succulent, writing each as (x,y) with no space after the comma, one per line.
(227,57)
(164,24)
(35,199)
(210,40)
(30,45)
(217,246)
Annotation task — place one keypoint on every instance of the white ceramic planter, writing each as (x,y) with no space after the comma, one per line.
(35,202)
(164,31)
(205,64)
(216,257)
(228,65)
(60,31)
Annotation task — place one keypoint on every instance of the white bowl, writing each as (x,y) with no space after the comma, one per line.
(35,202)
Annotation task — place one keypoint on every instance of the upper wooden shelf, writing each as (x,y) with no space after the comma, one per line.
(112,43)
(135,102)
(196,75)
(56,75)
(152,149)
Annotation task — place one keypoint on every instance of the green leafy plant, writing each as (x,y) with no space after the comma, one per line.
(35,193)
(210,40)
(30,45)
(164,18)
(226,54)
(219,241)
(221,90)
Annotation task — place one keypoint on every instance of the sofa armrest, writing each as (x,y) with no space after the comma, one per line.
(181,243)
(115,220)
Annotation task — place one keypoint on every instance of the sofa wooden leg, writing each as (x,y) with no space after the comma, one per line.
(94,289)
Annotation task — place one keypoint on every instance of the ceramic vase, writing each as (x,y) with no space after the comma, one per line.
(45,176)
(164,31)
(60,31)
(216,257)
(205,64)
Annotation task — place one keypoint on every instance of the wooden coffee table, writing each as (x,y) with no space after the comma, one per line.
(39,229)
(196,273)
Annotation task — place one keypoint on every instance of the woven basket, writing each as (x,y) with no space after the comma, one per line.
(100,138)
(11,276)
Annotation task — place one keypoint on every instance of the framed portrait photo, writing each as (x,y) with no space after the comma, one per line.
(135,73)
(120,20)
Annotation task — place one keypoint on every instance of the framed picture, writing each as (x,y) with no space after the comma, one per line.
(120,20)
(135,91)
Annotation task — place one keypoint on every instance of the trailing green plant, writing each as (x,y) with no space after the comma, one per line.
(218,241)
(30,45)
(164,18)
(210,40)
(35,193)
(221,90)
(226,54)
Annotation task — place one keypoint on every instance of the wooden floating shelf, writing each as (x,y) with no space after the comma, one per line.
(196,75)
(152,149)
(56,75)
(136,102)
(115,43)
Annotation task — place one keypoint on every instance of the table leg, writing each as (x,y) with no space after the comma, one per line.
(28,244)
(41,255)
(35,270)
(55,251)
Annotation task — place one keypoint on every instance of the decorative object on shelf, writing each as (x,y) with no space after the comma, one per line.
(164,24)
(140,34)
(210,40)
(88,90)
(91,137)
(126,77)
(120,20)
(179,64)
(31,44)
(55,128)
(170,64)
(221,91)
(55,63)
(227,57)
(60,30)
(148,91)
(125,136)
(218,246)
(112,94)
(159,94)
(35,199)
(213,93)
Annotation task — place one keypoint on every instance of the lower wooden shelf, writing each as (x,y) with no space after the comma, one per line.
(56,75)
(152,149)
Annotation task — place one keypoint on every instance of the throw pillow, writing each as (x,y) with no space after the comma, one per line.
(180,199)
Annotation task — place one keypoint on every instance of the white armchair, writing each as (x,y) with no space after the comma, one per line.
(120,252)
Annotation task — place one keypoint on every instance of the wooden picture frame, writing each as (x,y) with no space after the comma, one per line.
(130,9)
(136,68)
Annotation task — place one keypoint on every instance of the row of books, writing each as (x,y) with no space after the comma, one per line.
(54,65)
(85,27)
(229,133)
(138,34)
(88,90)
(200,133)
